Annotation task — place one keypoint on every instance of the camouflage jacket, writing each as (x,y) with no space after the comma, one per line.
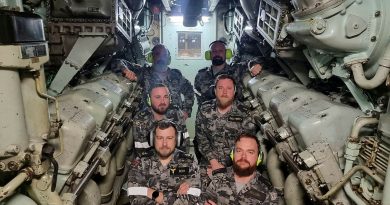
(144,123)
(149,172)
(216,133)
(178,85)
(223,190)
(204,81)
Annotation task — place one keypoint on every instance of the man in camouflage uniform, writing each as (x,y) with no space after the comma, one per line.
(159,108)
(168,176)
(205,78)
(241,184)
(219,122)
(160,73)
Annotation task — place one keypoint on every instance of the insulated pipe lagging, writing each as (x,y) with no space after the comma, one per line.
(386,188)
(354,138)
(348,188)
(363,82)
(359,123)
(274,171)
(293,192)
(11,186)
(380,75)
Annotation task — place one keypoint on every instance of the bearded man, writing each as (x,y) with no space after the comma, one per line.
(168,176)
(205,77)
(158,108)
(242,184)
(219,122)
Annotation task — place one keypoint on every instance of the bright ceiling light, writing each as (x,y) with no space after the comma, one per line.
(206,19)
(176,19)
(179,19)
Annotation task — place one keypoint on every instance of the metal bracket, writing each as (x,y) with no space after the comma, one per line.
(85,46)
(361,98)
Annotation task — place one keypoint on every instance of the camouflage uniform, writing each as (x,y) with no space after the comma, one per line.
(149,172)
(204,81)
(223,190)
(177,84)
(144,123)
(216,133)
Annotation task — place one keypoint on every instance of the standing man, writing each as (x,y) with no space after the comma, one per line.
(241,184)
(182,92)
(159,107)
(169,176)
(219,122)
(205,78)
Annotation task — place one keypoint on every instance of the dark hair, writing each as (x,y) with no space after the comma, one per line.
(224,76)
(249,136)
(158,85)
(217,41)
(162,46)
(164,124)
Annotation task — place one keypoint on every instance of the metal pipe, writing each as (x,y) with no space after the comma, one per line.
(386,188)
(359,123)
(363,82)
(36,107)
(290,161)
(345,179)
(263,149)
(275,173)
(120,156)
(106,184)
(91,170)
(293,192)
(13,128)
(11,186)
(41,93)
(86,177)
(352,151)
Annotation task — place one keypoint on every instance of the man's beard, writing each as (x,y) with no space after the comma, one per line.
(164,154)
(160,111)
(217,60)
(162,62)
(243,172)
(222,104)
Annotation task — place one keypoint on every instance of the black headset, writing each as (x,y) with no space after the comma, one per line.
(164,124)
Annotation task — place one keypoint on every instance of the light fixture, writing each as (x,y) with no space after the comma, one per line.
(179,19)
(206,19)
(176,19)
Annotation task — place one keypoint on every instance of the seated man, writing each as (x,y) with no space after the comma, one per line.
(169,176)
(205,77)
(242,184)
(158,108)
(219,122)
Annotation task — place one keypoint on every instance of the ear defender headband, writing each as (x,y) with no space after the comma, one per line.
(259,157)
(164,124)
(224,76)
(228,53)
(150,59)
(158,85)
